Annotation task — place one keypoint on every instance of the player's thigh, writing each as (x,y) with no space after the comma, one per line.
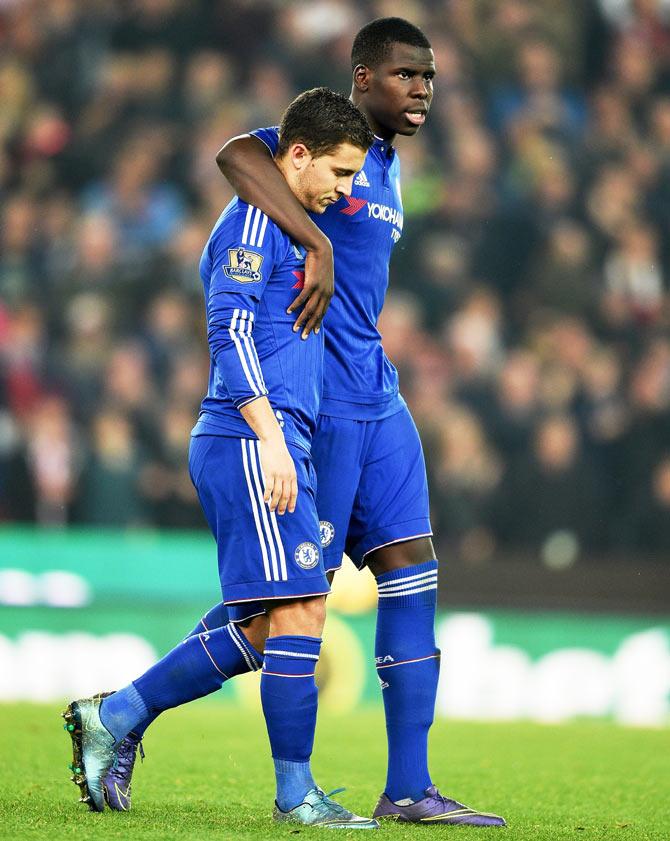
(199,454)
(391,505)
(261,555)
(337,456)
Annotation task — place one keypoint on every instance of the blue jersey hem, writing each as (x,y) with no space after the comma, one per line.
(382,407)
(203,427)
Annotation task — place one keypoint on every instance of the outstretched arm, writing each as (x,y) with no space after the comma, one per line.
(249,167)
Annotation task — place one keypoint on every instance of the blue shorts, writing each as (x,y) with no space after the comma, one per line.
(261,555)
(372,488)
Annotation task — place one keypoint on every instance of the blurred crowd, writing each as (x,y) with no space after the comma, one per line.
(529,309)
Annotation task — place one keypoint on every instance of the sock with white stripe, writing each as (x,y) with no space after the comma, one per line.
(197,667)
(408,666)
(216,617)
(289,696)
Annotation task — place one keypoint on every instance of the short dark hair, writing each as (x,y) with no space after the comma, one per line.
(322,120)
(374,41)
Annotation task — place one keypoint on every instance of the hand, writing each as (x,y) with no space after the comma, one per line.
(314,298)
(281,481)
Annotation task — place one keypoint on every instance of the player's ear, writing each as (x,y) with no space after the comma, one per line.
(300,155)
(362,77)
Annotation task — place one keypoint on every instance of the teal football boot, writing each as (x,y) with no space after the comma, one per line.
(317,809)
(93,749)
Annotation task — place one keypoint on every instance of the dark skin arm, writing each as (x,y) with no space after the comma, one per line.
(247,164)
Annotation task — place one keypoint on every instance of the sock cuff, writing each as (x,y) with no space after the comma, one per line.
(136,701)
(290,646)
(252,658)
(409,586)
(291,656)
(290,766)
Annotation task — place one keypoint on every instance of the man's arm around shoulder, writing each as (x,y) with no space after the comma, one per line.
(247,164)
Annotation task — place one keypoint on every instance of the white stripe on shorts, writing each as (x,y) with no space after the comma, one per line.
(273,520)
(258,486)
(254,508)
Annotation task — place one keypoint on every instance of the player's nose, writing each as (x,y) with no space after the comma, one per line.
(345,187)
(420,89)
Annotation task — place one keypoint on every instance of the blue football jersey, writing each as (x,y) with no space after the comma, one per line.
(251,272)
(359,381)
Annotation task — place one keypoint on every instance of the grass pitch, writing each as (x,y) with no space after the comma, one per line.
(208,776)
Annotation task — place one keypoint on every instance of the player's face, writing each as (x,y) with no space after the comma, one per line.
(324,180)
(396,95)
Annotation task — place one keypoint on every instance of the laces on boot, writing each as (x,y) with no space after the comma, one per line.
(331,805)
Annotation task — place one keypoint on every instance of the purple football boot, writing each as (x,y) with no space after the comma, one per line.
(116,783)
(434,808)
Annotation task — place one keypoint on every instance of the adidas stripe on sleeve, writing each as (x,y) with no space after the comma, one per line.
(243,257)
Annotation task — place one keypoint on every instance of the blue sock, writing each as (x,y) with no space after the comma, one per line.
(196,667)
(289,697)
(408,665)
(216,617)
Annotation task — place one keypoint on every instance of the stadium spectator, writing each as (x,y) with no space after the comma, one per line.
(531,282)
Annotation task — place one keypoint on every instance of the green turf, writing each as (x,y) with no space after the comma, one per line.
(207,776)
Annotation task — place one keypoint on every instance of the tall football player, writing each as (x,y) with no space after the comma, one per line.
(250,461)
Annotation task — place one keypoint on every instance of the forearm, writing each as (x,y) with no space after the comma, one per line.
(246,163)
(261,418)
(280,483)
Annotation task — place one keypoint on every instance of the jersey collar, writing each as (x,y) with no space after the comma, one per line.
(384,147)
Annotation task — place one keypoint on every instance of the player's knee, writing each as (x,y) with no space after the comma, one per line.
(401,555)
(257,630)
(302,617)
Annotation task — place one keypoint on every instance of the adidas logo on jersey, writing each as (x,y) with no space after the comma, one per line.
(361,180)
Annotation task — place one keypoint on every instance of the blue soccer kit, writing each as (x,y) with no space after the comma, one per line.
(250,269)
(372,489)
(372,492)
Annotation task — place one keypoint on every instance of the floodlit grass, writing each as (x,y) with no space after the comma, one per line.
(208,776)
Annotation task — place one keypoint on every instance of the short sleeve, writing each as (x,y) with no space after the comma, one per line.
(269,136)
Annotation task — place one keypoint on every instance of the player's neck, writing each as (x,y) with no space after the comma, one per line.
(379,131)
(289,173)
